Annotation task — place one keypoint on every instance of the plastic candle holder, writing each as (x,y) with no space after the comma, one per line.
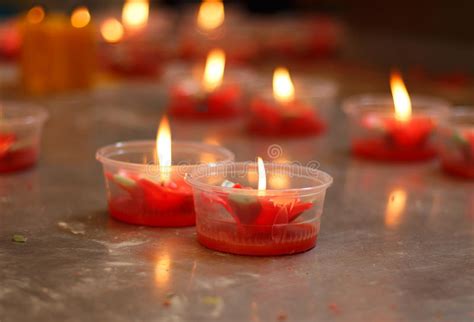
(233,217)
(188,100)
(377,134)
(141,192)
(307,114)
(456,143)
(20,135)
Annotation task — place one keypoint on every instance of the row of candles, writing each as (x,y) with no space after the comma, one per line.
(60,53)
(252,208)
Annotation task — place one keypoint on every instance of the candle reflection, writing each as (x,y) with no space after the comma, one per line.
(395,207)
(162,270)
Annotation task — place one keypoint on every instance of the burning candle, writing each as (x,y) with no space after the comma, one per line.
(288,113)
(58,53)
(145,179)
(20,134)
(235,214)
(395,128)
(128,49)
(456,143)
(211,97)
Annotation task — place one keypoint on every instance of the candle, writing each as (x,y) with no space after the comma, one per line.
(145,179)
(394,129)
(58,53)
(20,134)
(208,98)
(133,47)
(235,214)
(456,143)
(286,115)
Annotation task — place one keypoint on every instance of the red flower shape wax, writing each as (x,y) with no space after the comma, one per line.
(293,119)
(149,203)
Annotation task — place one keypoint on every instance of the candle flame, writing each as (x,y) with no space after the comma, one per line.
(262,177)
(163,148)
(135,13)
(112,30)
(80,17)
(35,15)
(211,14)
(401,99)
(395,206)
(214,70)
(283,88)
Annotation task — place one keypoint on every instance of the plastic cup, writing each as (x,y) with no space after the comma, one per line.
(143,193)
(283,219)
(21,125)
(456,143)
(376,134)
(307,115)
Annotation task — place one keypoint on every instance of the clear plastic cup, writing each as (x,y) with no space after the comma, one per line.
(376,134)
(21,125)
(284,219)
(456,143)
(307,115)
(143,193)
(188,100)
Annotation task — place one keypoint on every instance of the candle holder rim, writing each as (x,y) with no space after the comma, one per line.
(352,105)
(460,112)
(34,113)
(103,153)
(326,181)
(305,88)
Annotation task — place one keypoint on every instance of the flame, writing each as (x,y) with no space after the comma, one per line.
(211,14)
(401,99)
(283,89)
(80,17)
(135,13)
(214,70)
(162,270)
(262,177)
(112,30)
(395,206)
(163,149)
(35,15)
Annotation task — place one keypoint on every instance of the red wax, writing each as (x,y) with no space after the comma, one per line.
(398,141)
(129,60)
(460,164)
(263,226)
(295,119)
(225,102)
(15,159)
(152,204)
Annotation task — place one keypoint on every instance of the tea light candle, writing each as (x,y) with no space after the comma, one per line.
(20,134)
(212,97)
(136,45)
(288,112)
(146,192)
(398,129)
(279,214)
(456,143)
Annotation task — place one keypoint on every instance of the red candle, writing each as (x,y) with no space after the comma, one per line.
(380,134)
(457,153)
(154,194)
(14,158)
(20,133)
(210,99)
(259,222)
(149,203)
(283,115)
(397,140)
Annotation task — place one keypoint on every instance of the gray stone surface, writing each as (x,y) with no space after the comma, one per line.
(370,264)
